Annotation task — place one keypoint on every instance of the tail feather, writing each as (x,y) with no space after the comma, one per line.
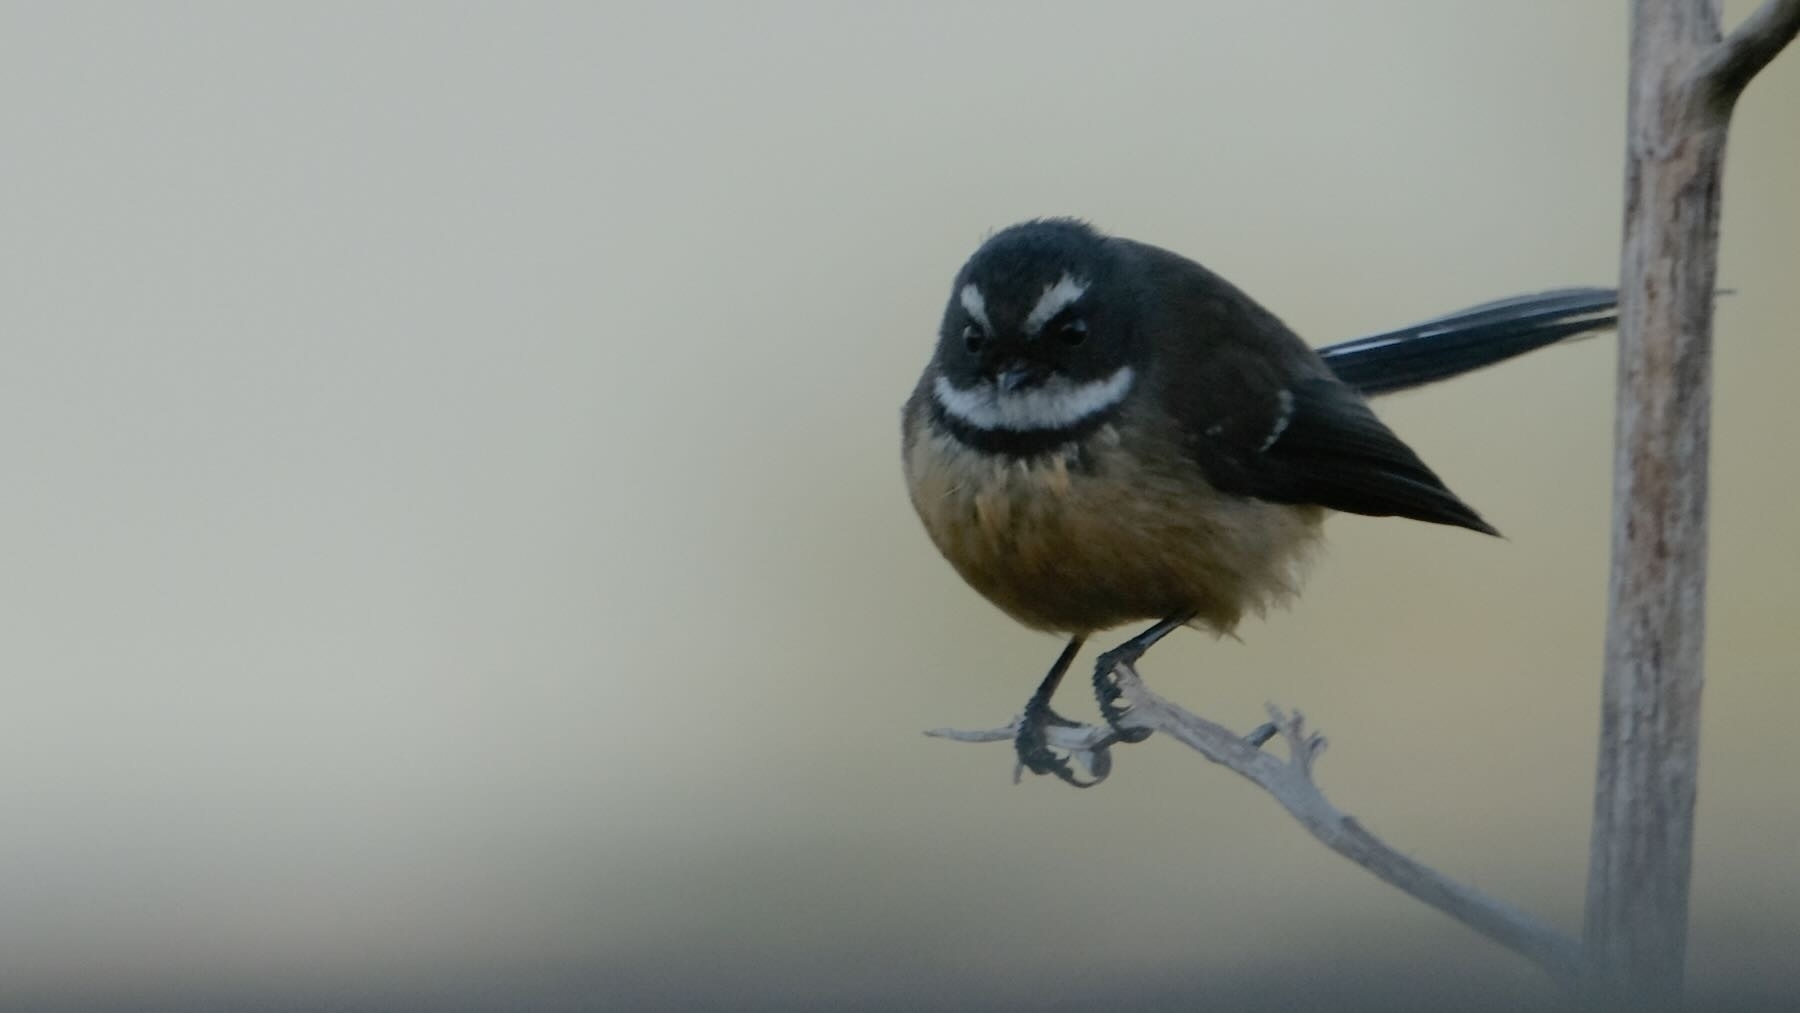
(1470,339)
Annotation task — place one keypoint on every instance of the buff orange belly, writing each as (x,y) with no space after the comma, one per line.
(1088,539)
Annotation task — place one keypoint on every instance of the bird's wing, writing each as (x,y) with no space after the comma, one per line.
(1263,416)
(1315,441)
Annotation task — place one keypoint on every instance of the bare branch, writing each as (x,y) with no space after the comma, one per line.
(1088,744)
(1726,69)
(1290,782)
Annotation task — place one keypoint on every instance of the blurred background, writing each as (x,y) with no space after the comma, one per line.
(453,552)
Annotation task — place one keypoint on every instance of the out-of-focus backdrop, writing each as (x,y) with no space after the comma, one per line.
(453,551)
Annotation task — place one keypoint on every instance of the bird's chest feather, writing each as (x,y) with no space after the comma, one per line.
(1092,537)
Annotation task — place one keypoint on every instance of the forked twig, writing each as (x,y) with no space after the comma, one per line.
(1290,782)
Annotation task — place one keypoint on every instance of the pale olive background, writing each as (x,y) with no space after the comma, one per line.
(453,551)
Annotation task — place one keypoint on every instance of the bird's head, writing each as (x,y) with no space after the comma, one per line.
(1037,335)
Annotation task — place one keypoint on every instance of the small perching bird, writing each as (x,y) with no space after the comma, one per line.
(1110,433)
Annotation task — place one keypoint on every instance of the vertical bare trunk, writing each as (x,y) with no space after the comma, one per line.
(1683,84)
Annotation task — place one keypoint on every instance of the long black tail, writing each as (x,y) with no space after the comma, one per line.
(1457,343)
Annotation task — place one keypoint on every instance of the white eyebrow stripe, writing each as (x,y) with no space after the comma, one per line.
(1055,299)
(976,305)
(1058,404)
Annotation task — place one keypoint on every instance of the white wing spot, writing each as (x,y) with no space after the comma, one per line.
(1282,418)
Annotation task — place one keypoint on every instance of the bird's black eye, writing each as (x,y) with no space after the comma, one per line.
(973,338)
(1072,332)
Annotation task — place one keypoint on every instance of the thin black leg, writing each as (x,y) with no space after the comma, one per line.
(1106,686)
(1033,748)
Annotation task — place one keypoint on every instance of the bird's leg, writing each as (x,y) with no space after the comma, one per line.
(1106,684)
(1033,749)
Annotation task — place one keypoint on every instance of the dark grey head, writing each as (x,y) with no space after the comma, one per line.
(1038,336)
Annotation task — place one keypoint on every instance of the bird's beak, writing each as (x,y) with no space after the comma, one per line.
(1019,376)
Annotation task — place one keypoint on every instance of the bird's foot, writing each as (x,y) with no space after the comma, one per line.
(1036,755)
(1108,693)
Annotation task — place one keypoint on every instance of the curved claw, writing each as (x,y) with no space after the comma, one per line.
(1106,691)
(1050,763)
(1035,754)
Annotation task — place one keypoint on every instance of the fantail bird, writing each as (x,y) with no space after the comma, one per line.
(1109,433)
